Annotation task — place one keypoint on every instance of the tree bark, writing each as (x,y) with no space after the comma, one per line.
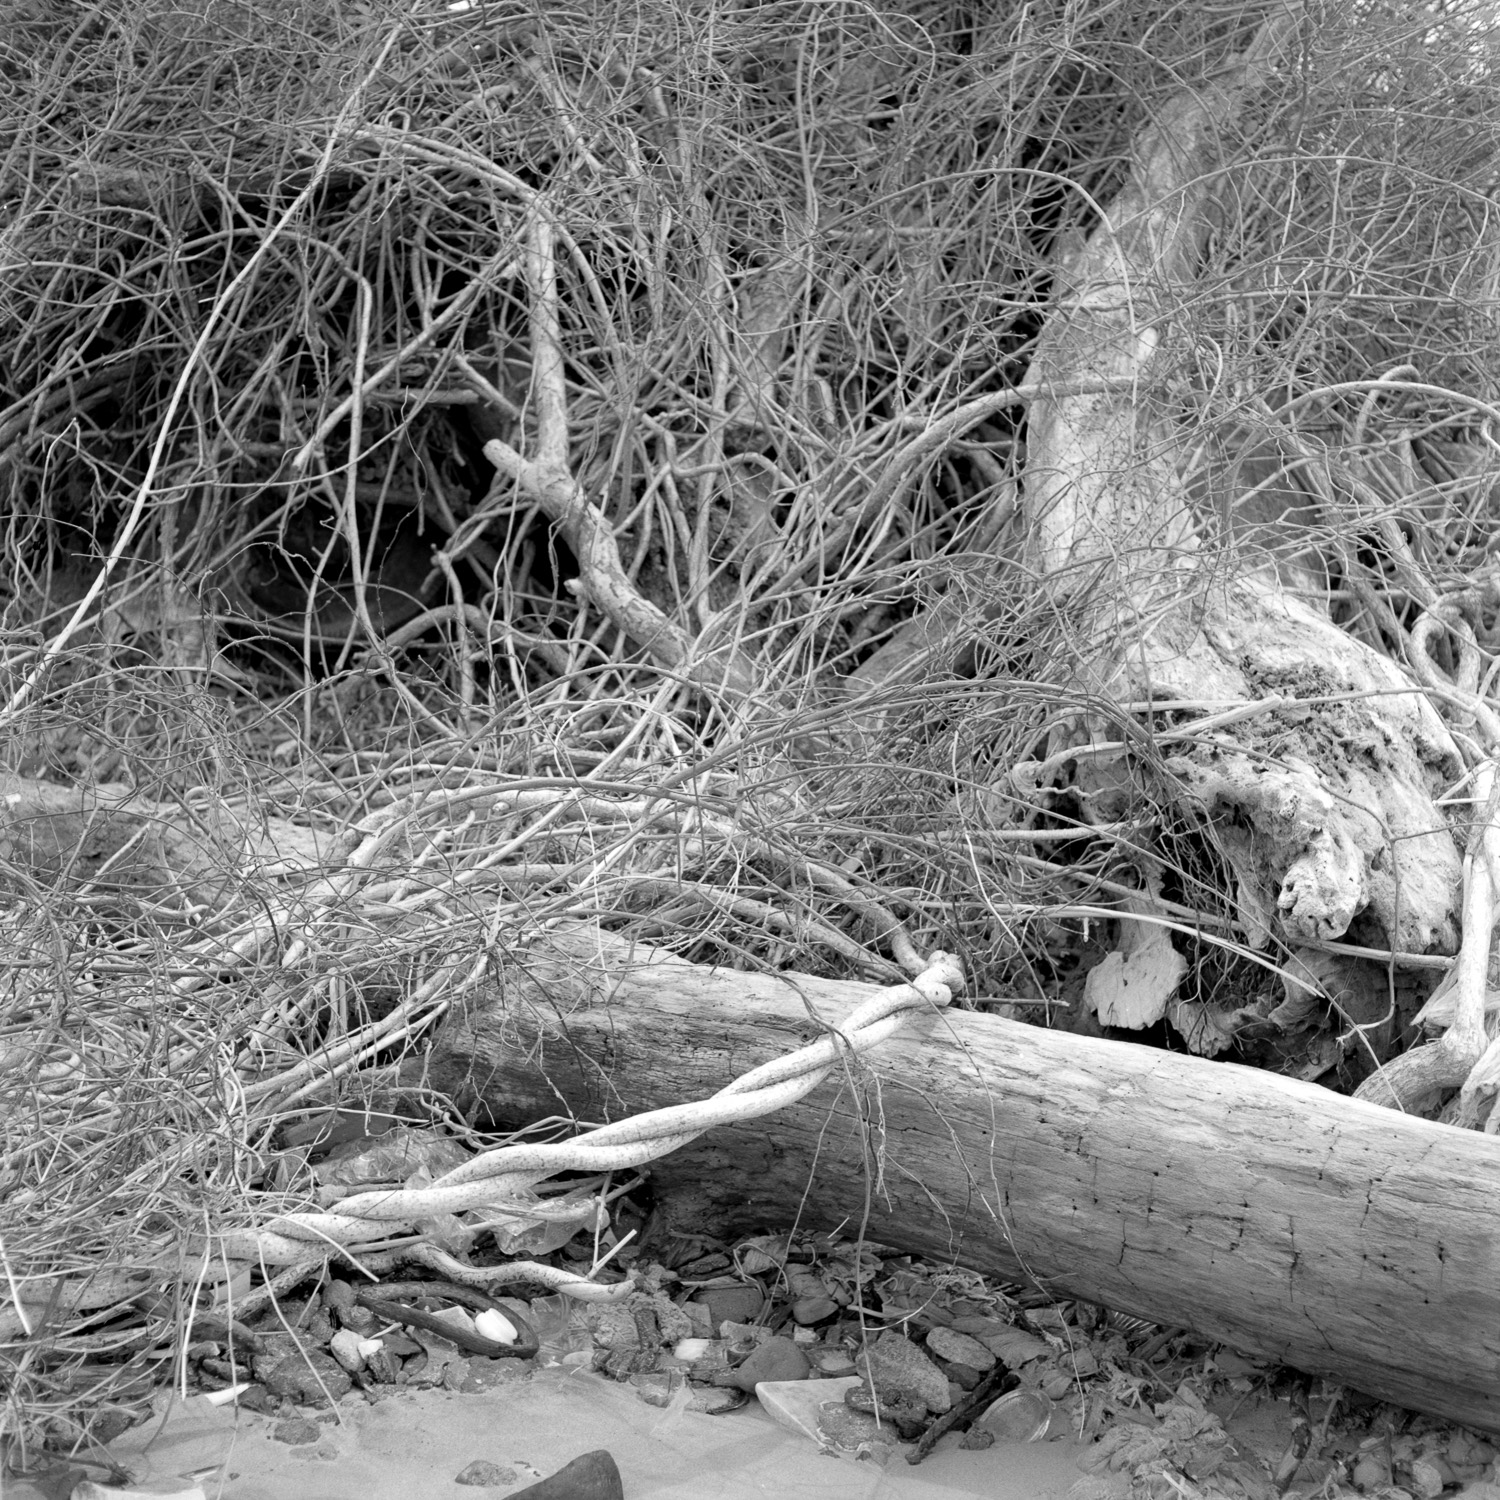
(1319,1231)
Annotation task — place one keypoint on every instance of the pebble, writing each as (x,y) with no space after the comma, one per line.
(813,1309)
(344,1346)
(482,1473)
(960,1349)
(297,1431)
(591,1476)
(1430,1476)
(900,1371)
(1014,1347)
(731,1304)
(776,1359)
(906,1414)
(338,1296)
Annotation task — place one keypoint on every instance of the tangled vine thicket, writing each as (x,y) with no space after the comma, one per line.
(470,467)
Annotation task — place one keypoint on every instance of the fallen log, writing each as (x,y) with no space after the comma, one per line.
(1328,1234)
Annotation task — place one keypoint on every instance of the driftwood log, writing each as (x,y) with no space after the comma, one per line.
(1326,1233)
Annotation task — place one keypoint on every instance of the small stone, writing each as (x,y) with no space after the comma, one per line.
(344,1346)
(977,1437)
(1013,1347)
(962,1379)
(900,1371)
(843,1428)
(907,1414)
(698,1315)
(1369,1472)
(960,1349)
(383,1367)
(297,1432)
(591,1476)
(776,1359)
(1084,1362)
(108,1425)
(338,1296)
(731,1304)
(1430,1476)
(813,1309)
(402,1345)
(979,1326)
(310,1379)
(482,1473)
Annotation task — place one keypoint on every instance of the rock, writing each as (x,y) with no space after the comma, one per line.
(698,1315)
(979,1327)
(344,1346)
(482,1472)
(360,1320)
(1465,1448)
(776,1359)
(731,1304)
(338,1296)
(1430,1476)
(907,1414)
(297,1431)
(900,1371)
(401,1345)
(977,1438)
(808,1310)
(960,1349)
(591,1476)
(1014,1347)
(844,1430)
(383,1367)
(108,1425)
(311,1380)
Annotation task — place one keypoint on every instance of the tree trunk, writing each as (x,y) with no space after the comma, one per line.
(1329,1234)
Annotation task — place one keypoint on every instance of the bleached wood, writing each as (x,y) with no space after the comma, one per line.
(1335,1236)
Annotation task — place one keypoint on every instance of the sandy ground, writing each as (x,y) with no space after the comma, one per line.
(414,1444)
